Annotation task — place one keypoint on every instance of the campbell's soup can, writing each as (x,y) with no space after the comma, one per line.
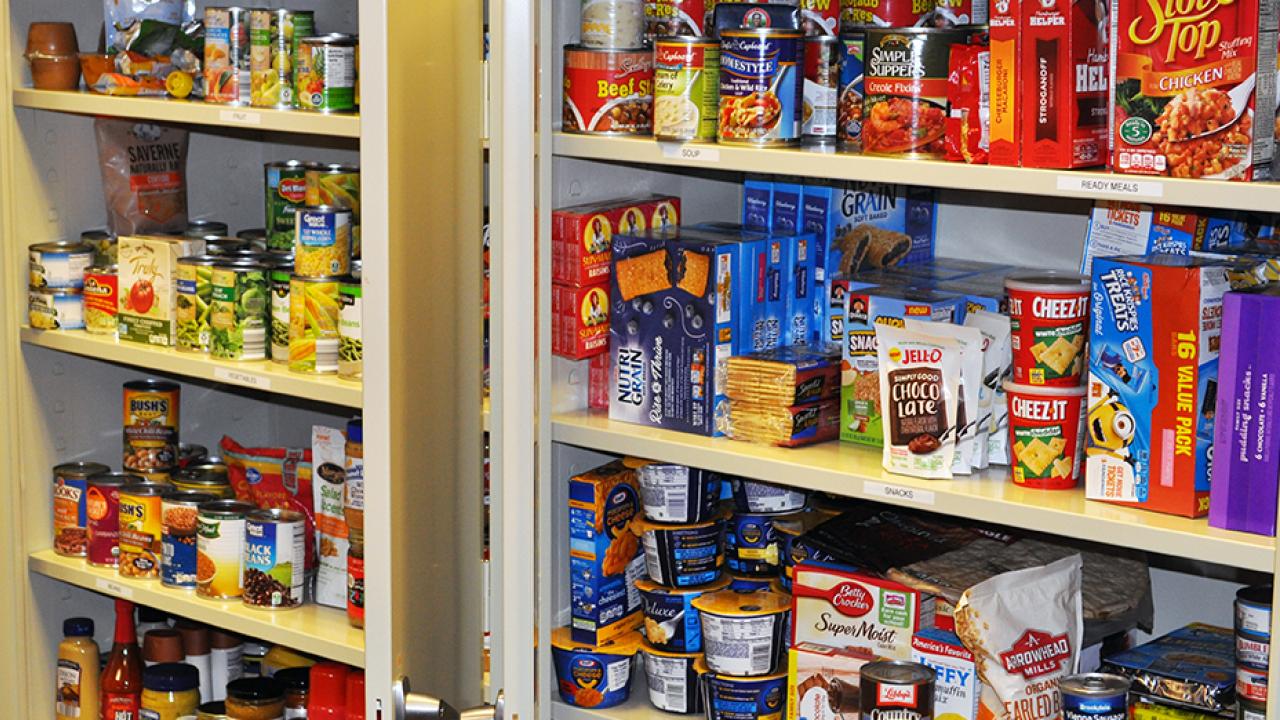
(1049,318)
(761,86)
(822,55)
(849,105)
(608,91)
(901,690)
(102,516)
(70,498)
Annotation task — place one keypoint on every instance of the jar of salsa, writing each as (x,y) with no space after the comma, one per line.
(255,699)
(170,691)
(296,682)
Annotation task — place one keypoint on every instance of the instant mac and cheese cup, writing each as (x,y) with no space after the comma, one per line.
(593,676)
(744,633)
(671,623)
(1049,313)
(729,697)
(1044,433)
(682,555)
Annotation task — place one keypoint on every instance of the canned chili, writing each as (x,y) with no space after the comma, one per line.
(286,184)
(822,55)
(313,325)
(273,36)
(70,499)
(226,55)
(101,299)
(178,511)
(274,559)
(195,297)
(325,73)
(141,546)
(849,110)
(607,92)
(102,514)
(151,409)
(686,88)
(905,108)
(239,311)
(760,87)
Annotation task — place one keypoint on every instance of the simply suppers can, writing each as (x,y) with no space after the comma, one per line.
(70,506)
(761,86)
(55,308)
(59,264)
(686,88)
(607,92)
(102,514)
(819,115)
(325,73)
(905,84)
(226,55)
(220,548)
(1094,696)
(905,688)
(179,511)
(151,411)
(274,559)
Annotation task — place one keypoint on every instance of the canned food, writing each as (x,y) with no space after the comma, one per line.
(103,244)
(1253,611)
(226,56)
(849,122)
(607,92)
(194,303)
(178,512)
(191,454)
(225,246)
(686,88)
(274,559)
(882,14)
(325,73)
(322,245)
(744,698)
(220,548)
(313,325)
(273,38)
(760,87)
(350,328)
(744,633)
(337,186)
(239,314)
(752,546)
(55,308)
(822,54)
(957,13)
(1094,696)
(199,229)
(59,264)
(286,186)
(102,514)
(280,278)
(70,500)
(904,689)
(209,477)
(820,17)
(612,23)
(905,108)
(101,299)
(141,546)
(151,425)
(1251,684)
(1246,710)
(1252,651)
(671,18)
(257,238)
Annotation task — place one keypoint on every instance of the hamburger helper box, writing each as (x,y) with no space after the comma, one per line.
(605,557)
(582,234)
(1005,111)
(1155,328)
(1243,494)
(1063,66)
(841,608)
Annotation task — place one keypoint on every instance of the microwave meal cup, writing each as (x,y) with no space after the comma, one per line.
(752,545)
(678,494)
(674,679)
(682,555)
(727,697)
(744,634)
(754,496)
(593,676)
(671,623)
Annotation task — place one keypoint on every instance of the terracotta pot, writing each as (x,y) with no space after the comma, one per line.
(55,73)
(93,65)
(52,38)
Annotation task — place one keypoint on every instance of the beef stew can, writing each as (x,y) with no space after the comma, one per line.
(608,92)
(955,13)
(819,113)
(686,88)
(905,107)
(761,87)
(849,105)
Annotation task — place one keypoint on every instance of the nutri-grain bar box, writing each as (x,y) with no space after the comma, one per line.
(1063,66)
(605,557)
(581,235)
(838,607)
(1154,332)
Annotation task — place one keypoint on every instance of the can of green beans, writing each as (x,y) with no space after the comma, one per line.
(193,305)
(280,277)
(286,184)
(350,335)
(240,311)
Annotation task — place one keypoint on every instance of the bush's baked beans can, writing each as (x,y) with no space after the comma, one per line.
(822,55)
(102,515)
(59,264)
(274,559)
(905,105)
(324,73)
(849,105)
(220,548)
(672,18)
(1049,316)
(883,13)
(760,86)
(607,92)
(151,409)
(101,299)
(1253,611)
(686,88)
(1094,696)
(178,520)
(70,499)
(820,17)
(901,690)
(226,55)
(612,23)
(273,40)
(141,546)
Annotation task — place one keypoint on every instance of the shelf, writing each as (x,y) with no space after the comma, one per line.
(314,629)
(262,375)
(189,112)
(637,706)
(855,471)
(1022,181)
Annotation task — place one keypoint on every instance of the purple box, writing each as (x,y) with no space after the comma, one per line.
(1246,443)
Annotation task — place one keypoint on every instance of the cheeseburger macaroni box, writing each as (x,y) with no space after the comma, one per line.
(1006,117)
(837,607)
(956,687)
(581,235)
(148,294)
(1155,329)
(605,557)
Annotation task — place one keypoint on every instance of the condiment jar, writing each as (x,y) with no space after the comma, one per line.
(163,646)
(170,691)
(328,691)
(254,652)
(226,661)
(212,710)
(255,699)
(297,690)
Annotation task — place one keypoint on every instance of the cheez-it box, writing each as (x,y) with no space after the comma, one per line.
(838,607)
(1063,68)
(582,235)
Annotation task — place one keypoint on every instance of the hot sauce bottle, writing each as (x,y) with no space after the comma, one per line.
(122,677)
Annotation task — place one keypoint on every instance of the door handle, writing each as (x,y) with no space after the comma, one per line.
(408,705)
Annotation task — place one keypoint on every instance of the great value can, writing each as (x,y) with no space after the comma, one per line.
(101,299)
(59,264)
(239,311)
(178,524)
(140,529)
(904,689)
(822,55)
(905,106)
(607,92)
(760,86)
(351,328)
(286,184)
(70,502)
(313,325)
(274,559)
(325,73)
(226,55)
(849,106)
(151,410)
(220,548)
(55,308)
(102,514)
(1094,696)
(195,297)
(686,88)
(1049,315)
(337,185)
(323,241)
(273,36)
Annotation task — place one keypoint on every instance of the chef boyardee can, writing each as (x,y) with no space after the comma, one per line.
(274,559)
(686,88)
(760,86)
(286,184)
(896,689)
(1094,696)
(1253,611)
(849,105)
(822,54)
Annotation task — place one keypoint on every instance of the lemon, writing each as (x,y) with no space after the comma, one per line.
(178,84)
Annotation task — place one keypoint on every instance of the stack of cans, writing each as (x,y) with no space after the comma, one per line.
(1253,651)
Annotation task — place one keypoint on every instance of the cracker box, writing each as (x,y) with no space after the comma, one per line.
(579,320)
(1005,116)
(581,235)
(148,287)
(757,205)
(1063,64)
(1155,328)
(860,419)
(956,687)
(605,557)
(823,682)
(837,607)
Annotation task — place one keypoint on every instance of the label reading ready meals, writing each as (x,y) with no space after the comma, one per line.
(839,608)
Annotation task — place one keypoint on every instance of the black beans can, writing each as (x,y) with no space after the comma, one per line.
(898,690)
(818,113)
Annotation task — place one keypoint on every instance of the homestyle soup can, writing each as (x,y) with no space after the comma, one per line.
(274,559)
(760,86)
(686,88)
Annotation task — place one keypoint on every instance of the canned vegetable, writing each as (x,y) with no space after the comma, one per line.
(220,548)
(286,184)
(337,186)
(101,299)
(323,241)
(280,277)
(313,325)
(195,298)
(239,314)
(59,264)
(103,244)
(55,308)
(350,328)
(273,38)
(199,229)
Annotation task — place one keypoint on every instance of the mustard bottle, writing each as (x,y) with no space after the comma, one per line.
(77,680)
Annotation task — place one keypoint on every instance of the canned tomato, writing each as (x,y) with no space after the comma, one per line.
(607,92)
(1049,315)
(226,56)
(313,324)
(612,23)
(101,299)
(286,184)
(325,73)
(905,107)
(280,278)
(102,516)
(822,55)
(859,14)
(103,244)
(849,122)
(337,185)
(820,17)
(904,689)
(272,40)
(70,500)
(195,298)
(351,328)
(322,245)
(140,529)
(686,88)
(178,512)
(274,559)
(760,86)
(59,264)
(240,311)
(1094,696)
(55,308)
(151,425)
(220,548)
(672,18)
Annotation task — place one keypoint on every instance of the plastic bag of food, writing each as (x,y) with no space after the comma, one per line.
(328,454)
(144,176)
(273,478)
(133,24)
(919,389)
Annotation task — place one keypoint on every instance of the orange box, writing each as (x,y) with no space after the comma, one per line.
(1005,135)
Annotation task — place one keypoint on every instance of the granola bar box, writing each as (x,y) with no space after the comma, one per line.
(1193,88)
(1154,338)
(605,557)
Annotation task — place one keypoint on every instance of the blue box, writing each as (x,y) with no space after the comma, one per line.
(757,205)
(605,603)
(788,208)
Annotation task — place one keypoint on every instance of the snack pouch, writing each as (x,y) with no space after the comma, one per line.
(273,478)
(968,412)
(996,365)
(919,388)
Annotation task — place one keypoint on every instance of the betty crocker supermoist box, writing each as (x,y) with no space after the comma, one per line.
(1063,67)
(1193,88)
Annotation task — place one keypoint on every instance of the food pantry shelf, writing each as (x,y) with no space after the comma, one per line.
(636,707)
(190,112)
(314,629)
(1023,181)
(856,472)
(265,376)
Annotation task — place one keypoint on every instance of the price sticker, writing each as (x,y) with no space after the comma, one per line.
(897,493)
(240,117)
(1118,185)
(111,587)
(239,377)
(690,153)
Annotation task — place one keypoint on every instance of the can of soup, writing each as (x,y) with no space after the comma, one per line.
(822,55)
(1253,611)
(905,107)
(101,299)
(883,14)
(140,529)
(607,92)
(849,108)
(325,73)
(59,264)
(70,506)
(195,297)
(313,325)
(672,18)
(226,56)
(322,245)
(55,308)
(220,548)
(272,40)
(351,328)
(760,86)
(102,515)
(178,511)
(820,17)
(151,425)
(240,311)
(612,23)
(274,559)
(686,88)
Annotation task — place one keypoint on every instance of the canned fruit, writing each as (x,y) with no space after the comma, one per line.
(55,308)
(273,36)
(314,311)
(274,559)
(760,86)
(607,92)
(686,89)
(226,56)
(239,311)
(59,264)
(195,302)
(323,241)
(325,73)
(286,187)
(151,411)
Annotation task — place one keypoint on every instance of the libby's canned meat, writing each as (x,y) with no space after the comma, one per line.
(760,86)
(607,92)
(905,107)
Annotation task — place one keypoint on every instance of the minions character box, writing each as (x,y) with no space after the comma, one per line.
(1156,325)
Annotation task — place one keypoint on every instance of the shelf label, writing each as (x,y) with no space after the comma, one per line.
(690,153)
(239,377)
(111,587)
(897,493)
(240,117)
(1111,186)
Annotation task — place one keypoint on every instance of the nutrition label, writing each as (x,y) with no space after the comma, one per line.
(668,684)
(741,646)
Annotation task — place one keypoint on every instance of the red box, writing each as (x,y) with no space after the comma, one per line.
(579,320)
(1006,136)
(598,382)
(1063,66)
(582,235)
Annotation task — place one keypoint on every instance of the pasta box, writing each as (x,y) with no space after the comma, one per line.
(605,557)
(148,286)
(1153,381)
(1005,110)
(581,235)
(1063,64)
(838,607)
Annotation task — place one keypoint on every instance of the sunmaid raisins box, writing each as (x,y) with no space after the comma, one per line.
(605,558)
(677,303)
(1155,328)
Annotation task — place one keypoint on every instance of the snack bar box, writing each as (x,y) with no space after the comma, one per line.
(1156,324)
(605,558)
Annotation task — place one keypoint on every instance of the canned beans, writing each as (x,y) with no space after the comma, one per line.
(151,425)
(274,559)
(178,512)
(70,499)
(102,513)
(220,548)
(140,529)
